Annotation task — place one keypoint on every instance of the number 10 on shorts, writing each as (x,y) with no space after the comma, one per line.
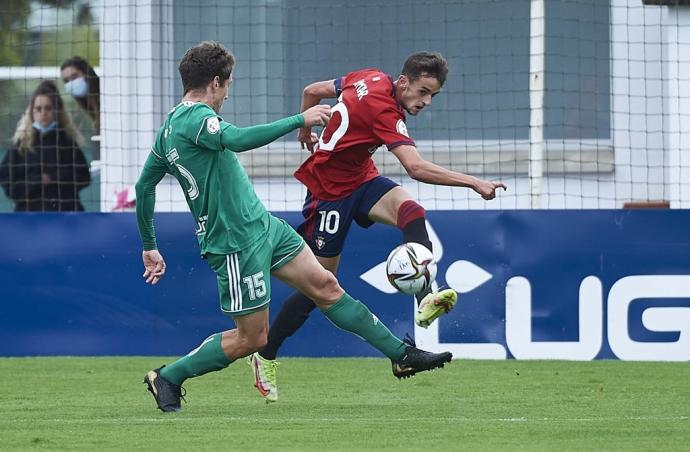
(330,220)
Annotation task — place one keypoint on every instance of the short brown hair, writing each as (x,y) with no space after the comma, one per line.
(201,63)
(429,64)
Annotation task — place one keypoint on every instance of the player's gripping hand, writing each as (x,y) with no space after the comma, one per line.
(487,189)
(154,265)
(307,139)
(318,115)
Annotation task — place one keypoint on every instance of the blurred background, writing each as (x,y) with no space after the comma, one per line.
(575,105)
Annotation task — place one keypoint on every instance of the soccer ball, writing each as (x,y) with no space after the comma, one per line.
(411,268)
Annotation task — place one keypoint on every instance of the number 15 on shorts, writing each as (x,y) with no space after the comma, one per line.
(255,285)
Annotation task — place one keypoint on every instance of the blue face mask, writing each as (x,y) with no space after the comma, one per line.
(77,87)
(37,125)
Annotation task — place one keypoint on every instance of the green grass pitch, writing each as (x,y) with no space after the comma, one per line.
(349,404)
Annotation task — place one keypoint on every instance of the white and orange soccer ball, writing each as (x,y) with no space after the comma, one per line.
(411,268)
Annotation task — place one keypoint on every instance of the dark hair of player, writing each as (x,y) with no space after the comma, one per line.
(203,62)
(429,64)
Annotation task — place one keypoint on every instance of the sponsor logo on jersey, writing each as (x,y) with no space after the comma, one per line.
(320,242)
(361,88)
(213,125)
(401,128)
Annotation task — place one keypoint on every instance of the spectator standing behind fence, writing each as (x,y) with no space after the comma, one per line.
(45,169)
(82,83)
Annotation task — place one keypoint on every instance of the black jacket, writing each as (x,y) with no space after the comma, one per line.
(55,155)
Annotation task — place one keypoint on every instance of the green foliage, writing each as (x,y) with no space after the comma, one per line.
(48,46)
(350,404)
(13,13)
(10,44)
(13,16)
(58,45)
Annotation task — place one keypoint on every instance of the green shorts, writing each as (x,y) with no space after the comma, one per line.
(244,278)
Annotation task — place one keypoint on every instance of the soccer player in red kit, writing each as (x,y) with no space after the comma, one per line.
(344,184)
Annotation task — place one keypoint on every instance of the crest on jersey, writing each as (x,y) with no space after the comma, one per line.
(320,242)
(401,128)
(213,125)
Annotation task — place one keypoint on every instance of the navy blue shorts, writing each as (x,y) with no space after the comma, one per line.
(326,223)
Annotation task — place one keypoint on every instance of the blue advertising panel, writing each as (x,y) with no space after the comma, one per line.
(533,285)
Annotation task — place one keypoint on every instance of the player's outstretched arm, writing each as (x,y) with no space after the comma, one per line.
(312,95)
(424,171)
(243,139)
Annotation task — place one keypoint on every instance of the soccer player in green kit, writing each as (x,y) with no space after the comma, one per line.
(240,240)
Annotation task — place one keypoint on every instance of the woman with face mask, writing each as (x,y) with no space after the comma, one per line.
(82,83)
(46,169)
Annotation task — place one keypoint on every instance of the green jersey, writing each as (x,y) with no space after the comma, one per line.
(198,148)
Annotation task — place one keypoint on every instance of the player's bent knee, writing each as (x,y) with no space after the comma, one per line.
(331,292)
(327,291)
(332,288)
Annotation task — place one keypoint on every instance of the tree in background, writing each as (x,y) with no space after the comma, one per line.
(13,19)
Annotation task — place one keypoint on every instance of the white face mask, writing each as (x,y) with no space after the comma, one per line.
(77,87)
(37,125)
